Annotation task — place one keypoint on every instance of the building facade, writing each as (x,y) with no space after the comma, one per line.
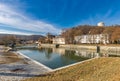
(97,38)
(58,40)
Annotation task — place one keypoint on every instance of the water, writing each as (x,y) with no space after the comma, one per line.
(57,57)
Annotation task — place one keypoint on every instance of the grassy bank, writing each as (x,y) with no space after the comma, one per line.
(101,69)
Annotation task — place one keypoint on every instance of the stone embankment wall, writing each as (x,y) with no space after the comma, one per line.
(70,46)
(87,47)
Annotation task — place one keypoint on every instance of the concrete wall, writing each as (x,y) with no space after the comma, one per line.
(96,38)
(87,47)
(58,40)
(70,46)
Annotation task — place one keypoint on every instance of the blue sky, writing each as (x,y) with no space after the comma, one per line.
(42,16)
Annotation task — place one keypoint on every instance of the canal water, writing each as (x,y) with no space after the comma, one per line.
(57,57)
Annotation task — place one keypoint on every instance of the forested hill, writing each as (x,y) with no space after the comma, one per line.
(113,31)
(22,37)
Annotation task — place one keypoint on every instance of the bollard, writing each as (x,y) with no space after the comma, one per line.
(98,49)
(57,45)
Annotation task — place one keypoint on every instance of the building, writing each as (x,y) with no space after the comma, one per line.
(93,38)
(49,38)
(58,40)
(96,38)
(101,24)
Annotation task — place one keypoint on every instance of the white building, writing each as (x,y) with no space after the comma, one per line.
(101,24)
(97,38)
(58,40)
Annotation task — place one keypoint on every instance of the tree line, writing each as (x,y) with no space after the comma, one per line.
(112,31)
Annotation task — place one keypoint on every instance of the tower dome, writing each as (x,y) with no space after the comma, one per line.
(101,24)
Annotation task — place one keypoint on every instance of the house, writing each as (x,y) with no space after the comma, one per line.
(58,40)
(95,38)
(49,38)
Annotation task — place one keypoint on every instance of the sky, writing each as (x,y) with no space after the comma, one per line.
(38,17)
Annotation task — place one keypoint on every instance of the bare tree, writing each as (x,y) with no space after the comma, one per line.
(9,40)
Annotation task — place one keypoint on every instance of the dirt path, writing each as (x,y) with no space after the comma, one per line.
(15,67)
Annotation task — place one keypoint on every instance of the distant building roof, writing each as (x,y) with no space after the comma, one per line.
(101,24)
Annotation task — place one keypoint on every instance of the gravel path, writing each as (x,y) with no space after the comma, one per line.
(19,71)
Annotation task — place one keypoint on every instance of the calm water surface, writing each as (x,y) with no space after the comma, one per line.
(57,57)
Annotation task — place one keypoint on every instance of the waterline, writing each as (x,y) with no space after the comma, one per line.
(38,63)
(50,69)
(74,64)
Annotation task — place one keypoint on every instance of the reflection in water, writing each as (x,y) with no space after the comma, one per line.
(60,51)
(113,53)
(71,55)
(80,53)
(58,57)
(86,53)
(48,52)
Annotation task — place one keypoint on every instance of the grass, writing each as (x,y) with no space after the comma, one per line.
(100,69)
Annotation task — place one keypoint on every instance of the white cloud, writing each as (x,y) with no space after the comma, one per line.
(11,17)
(2,31)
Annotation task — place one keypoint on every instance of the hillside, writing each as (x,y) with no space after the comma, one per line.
(23,37)
(112,31)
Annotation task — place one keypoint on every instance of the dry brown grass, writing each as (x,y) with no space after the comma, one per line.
(101,69)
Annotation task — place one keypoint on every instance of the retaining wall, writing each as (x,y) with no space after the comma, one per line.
(87,47)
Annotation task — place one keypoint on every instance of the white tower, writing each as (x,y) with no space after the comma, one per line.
(101,24)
